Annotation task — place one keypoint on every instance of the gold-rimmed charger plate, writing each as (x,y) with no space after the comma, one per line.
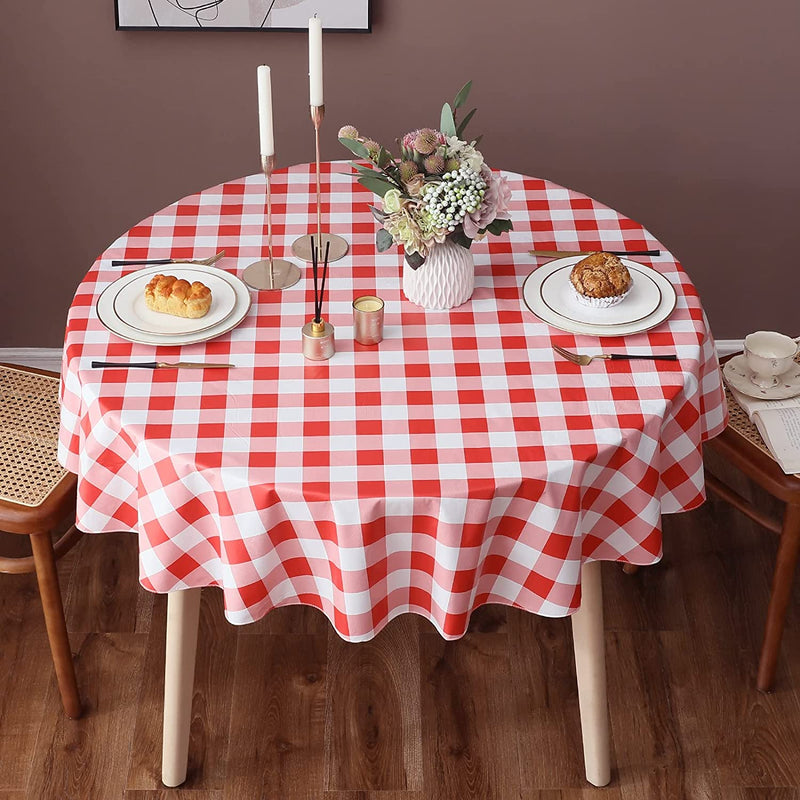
(108,317)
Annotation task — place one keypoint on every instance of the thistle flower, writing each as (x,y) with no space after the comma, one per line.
(426,141)
(408,169)
(434,165)
(373,148)
(451,165)
(348,132)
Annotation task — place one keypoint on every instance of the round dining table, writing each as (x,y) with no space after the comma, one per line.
(459,462)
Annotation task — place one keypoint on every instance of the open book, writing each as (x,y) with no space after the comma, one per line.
(778,422)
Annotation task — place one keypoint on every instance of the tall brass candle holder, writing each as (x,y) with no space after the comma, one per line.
(338,246)
(270,273)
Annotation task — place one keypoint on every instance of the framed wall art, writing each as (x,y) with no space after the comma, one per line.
(240,15)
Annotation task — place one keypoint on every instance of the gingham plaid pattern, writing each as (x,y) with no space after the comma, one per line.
(458,463)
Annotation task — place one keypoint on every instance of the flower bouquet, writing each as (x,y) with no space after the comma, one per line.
(437,197)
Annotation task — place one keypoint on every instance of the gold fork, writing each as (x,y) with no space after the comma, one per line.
(135,261)
(584,360)
(207,261)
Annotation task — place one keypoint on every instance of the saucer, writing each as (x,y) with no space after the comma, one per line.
(737,375)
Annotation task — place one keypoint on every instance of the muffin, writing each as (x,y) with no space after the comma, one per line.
(600,280)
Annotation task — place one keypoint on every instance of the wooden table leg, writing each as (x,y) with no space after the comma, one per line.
(183,615)
(590,666)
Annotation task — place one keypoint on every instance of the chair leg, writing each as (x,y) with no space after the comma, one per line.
(49,591)
(785,565)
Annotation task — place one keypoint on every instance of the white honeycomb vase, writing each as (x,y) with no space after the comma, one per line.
(445,280)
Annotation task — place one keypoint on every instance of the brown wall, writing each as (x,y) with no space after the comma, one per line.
(683,114)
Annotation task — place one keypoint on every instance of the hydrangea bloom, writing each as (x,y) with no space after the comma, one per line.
(494,205)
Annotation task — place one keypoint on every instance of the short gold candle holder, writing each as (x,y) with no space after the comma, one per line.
(368,319)
(338,246)
(318,340)
(270,273)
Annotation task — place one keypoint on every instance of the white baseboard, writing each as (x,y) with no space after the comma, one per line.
(726,347)
(37,357)
(50,357)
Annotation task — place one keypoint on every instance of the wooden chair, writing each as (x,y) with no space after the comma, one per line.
(36,495)
(742,446)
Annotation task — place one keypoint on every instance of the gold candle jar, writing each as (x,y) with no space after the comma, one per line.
(368,319)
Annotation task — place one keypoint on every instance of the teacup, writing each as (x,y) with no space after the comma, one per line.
(769,354)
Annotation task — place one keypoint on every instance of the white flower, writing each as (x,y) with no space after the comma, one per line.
(465,152)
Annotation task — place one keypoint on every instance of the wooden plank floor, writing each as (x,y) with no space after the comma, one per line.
(284,709)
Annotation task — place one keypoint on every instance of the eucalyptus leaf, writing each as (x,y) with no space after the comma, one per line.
(498,226)
(383,240)
(464,122)
(477,141)
(448,123)
(461,97)
(355,147)
(377,213)
(362,169)
(460,238)
(415,260)
(376,184)
(384,158)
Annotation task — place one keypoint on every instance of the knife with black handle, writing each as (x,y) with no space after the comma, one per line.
(158,364)
(565,253)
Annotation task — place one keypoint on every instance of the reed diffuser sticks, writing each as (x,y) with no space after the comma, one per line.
(318,341)
(318,295)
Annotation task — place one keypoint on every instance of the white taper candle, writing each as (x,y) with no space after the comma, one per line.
(315,60)
(265,111)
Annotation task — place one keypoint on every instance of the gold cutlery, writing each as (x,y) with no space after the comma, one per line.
(564,253)
(584,360)
(160,364)
(137,261)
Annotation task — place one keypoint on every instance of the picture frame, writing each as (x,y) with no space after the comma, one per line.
(351,16)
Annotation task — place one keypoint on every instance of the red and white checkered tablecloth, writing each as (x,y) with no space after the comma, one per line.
(458,463)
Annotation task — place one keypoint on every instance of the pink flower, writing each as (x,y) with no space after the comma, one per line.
(411,137)
(494,205)
(415,185)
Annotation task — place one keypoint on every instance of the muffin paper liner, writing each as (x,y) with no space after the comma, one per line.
(600,302)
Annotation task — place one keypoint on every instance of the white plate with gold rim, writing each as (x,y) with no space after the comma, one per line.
(559,295)
(130,305)
(553,306)
(108,315)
